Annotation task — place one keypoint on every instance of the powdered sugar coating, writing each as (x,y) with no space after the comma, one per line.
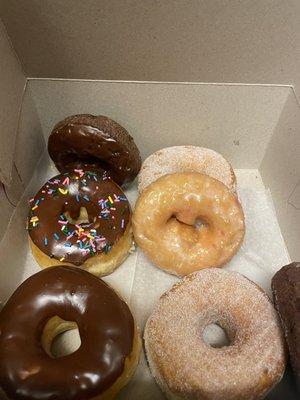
(186,367)
(176,159)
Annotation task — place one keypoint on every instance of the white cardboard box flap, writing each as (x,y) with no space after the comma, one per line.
(28,148)
(12,84)
(280,170)
(170,40)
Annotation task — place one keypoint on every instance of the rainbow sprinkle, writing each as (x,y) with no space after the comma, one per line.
(63,191)
(66,181)
(80,172)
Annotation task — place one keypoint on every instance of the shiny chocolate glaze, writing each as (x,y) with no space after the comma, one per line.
(286,292)
(106,328)
(98,141)
(56,234)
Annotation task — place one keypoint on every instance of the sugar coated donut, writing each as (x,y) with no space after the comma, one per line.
(98,141)
(167,216)
(185,366)
(172,160)
(80,218)
(44,306)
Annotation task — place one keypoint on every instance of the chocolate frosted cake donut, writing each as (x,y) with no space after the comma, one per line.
(95,140)
(286,292)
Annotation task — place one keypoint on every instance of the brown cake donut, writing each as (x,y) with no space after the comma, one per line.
(286,292)
(49,303)
(80,218)
(95,140)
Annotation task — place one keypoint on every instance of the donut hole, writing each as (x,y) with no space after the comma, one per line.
(200,223)
(83,217)
(60,338)
(215,336)
(66,343)
(187,218)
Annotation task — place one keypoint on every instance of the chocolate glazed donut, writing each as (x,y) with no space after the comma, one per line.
(109,348)
(97,141)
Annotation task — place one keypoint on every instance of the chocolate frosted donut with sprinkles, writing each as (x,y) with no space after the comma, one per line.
(80,218)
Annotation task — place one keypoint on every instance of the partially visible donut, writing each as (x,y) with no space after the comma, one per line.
(188,221)
(49,303)
(80,218)
(172,160)
(186,367)
(95,140)
(286,292)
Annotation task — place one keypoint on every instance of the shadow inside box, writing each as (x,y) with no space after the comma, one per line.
(286,389)
(13,253)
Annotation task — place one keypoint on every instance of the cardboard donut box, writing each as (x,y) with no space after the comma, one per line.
(255,126)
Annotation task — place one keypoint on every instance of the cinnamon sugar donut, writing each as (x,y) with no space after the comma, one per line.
(185,366)
(172,160)
(166,223)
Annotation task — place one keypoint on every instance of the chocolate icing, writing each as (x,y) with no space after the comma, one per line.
(106,329)
(97,141)
(107,207)
(286,292)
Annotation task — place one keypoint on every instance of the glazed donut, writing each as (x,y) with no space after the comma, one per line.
(176,159)
(185,366)
(166,223)
(49,303)
(80,218)
(286,292)
(95,140)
